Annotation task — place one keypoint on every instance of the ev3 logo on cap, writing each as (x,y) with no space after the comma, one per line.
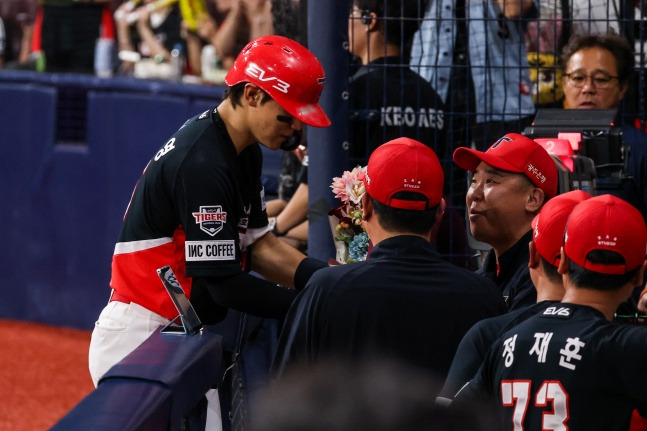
(255,71)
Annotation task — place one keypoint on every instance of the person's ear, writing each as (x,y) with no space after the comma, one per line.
(533,260)
(536,198)
(638,279)
(369,19)
(253,95)
(562,268)
(367,207)
(442,205)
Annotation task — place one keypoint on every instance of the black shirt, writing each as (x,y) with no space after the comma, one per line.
(388,101)
(403,302)
(514,277)
(476,343)
(566,367)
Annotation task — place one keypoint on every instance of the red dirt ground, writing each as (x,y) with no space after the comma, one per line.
(43,374)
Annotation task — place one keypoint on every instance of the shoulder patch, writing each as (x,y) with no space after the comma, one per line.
(211,218)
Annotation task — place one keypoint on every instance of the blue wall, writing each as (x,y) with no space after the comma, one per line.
(63,203)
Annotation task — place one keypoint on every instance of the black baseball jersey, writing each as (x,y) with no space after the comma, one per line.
(197,206)
(389,100)
(567,367)
(403,302)
(477,342)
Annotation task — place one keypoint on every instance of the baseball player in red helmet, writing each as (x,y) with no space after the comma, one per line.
(570,366)
(199,207)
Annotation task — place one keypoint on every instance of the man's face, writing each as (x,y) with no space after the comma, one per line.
(496,201)
(591,80)
(273,125)
(356,32)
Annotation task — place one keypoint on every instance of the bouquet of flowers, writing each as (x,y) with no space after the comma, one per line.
(351,242)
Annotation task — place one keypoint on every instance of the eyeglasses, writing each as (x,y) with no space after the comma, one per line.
(599,80)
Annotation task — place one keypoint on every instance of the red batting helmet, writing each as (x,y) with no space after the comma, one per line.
(285,70)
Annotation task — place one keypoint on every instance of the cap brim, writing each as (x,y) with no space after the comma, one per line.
(469,159)
(310,114)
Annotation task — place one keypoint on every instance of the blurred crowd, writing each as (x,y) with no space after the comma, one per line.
(190,40)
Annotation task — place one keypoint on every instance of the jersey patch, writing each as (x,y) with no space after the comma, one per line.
(209,250)
(211,219)
(204,115)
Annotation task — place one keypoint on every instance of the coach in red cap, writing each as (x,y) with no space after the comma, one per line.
(404,301)
(547,237)
(569,366)
(510,183)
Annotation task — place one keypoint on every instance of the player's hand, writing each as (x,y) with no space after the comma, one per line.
(301,151)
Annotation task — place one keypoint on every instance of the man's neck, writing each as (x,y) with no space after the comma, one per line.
(234,121)
(549,291)
(605,301)
(502,247)
(378,50)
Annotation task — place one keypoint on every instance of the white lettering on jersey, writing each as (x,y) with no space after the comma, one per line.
(255,71)
(570,352)
(508,350)
(209,250)
(561,311)
(408,116)
(170,145)
(540,347)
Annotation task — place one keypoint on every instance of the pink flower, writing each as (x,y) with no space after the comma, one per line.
(347,218)
(348,188)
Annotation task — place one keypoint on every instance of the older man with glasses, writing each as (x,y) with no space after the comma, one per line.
(597,73)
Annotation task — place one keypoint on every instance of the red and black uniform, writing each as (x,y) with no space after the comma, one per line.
(567,367)
(197,207)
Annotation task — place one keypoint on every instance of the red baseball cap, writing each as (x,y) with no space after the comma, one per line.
(285,70)
(548,226)
(606,222)
(404,165)
(514,153)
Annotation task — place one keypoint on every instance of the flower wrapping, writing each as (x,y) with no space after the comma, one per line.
(351,242)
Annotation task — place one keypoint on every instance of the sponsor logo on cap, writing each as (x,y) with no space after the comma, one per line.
(607,241)
(536,172)
(413,184)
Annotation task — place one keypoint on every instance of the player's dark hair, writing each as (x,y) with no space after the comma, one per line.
(398,19)
(617,45)
(235,93)
(395,219)
(586,278)
(550,270)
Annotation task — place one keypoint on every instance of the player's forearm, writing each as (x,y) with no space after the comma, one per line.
(275,260)
(295,211)
(226,36)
